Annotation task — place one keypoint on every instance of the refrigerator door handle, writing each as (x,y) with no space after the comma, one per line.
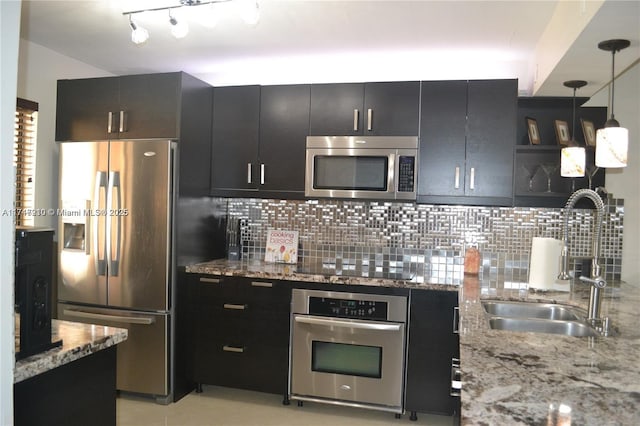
(100,264)
(114,261)
(112,318)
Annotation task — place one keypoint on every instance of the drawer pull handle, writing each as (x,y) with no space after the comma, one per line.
(261,284)
(210,280)
(235,349)
(456,377)
(233,306)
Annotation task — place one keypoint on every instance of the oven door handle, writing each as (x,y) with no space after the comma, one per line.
(333,322)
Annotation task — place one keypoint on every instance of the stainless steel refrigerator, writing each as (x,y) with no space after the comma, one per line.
(116,239)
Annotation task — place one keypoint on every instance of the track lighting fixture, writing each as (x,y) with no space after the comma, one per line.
(179,29)
(139,35)
(248,10)
(612,141)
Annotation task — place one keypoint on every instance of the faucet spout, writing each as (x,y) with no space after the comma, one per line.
(595,279)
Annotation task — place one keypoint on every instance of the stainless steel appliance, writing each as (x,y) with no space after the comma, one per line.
(348,349)
(367,167)
(116,253)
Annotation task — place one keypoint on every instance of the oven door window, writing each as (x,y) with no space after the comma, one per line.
(350,172)
(342,358)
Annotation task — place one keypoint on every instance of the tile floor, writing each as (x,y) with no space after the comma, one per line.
(223,406)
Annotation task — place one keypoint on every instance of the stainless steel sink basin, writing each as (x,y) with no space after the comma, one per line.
(550,311)
(538,318)
(567,328)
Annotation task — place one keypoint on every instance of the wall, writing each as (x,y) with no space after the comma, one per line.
(623,183)
(40,87)
(10,24)
(427,240)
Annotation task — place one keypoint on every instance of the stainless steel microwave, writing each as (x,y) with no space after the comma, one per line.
(364,167)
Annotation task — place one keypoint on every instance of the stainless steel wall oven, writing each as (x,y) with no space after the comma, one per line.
(348,349)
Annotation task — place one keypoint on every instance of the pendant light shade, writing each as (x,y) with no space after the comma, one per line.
(612,141)
(572,161)
(573,157)
(611,147)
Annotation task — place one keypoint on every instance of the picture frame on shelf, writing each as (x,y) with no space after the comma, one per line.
(562,132)
(589,131)
(532,130)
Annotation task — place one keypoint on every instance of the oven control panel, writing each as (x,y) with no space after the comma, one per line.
(348,308)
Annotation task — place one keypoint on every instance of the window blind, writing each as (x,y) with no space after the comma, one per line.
(24,160)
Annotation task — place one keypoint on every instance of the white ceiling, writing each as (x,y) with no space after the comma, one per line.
(542,43)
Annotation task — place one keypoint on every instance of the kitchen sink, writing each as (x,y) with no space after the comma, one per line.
(537,318)
(536,325)
(550,311)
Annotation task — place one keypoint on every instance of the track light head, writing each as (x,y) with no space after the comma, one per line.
(139,34)
(179,29)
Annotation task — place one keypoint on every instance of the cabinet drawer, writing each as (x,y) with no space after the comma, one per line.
(244,326)
(261,368)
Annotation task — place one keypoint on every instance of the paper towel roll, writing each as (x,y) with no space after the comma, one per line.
(545,264)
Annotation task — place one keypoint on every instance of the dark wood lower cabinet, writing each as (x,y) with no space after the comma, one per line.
(242,337)
(432,348)
(82,392)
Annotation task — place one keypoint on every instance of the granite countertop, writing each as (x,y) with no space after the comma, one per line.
(78,340)
(394,277)
(518,378)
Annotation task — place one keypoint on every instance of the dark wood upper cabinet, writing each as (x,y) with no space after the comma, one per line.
(145,106)
(126,107)
(259,135)
(284,127)
(236,121)
(375,109)
(467,135)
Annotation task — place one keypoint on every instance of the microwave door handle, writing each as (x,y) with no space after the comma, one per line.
(333,322)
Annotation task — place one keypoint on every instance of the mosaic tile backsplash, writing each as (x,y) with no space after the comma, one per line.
(426,241)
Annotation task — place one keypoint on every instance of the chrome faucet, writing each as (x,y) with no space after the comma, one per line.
(596,281)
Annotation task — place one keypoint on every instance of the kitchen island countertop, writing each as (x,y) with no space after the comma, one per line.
(519,378)
(78,340)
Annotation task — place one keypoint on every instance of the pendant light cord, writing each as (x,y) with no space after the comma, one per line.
(573,119)
(613,80)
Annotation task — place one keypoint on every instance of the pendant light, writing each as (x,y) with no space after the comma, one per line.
(573,157)
(612,141)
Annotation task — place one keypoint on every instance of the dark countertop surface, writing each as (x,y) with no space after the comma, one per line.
(520,378)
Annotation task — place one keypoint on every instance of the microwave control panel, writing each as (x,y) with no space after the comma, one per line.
(406,173)
(348,308)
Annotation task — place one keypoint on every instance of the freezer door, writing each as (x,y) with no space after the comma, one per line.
(143,359)
(81,233)
(139,199)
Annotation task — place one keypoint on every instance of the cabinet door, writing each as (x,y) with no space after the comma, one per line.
(491,137)
(284,126)
(391,108)
(336,109)
(236,112)
(150,106)
(83,106)
(442,138)
(433,343)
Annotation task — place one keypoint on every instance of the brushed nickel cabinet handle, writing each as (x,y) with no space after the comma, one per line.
(123,125)
(235,306)
(261,284)
(369,119)
(456,377)
(456,183)
(236,349)
(262,174)
(456,320)
(249,173)
(472,178)
(210,280)
(109,122)
(356,114)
